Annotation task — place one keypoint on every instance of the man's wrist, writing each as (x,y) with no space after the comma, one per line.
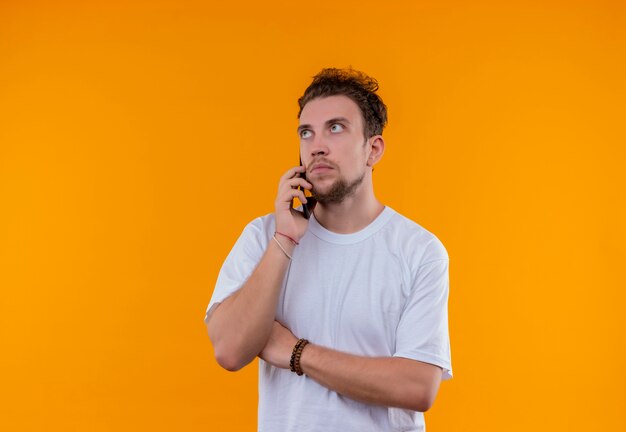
(307,359)
(285,246)
(291,239)
(296,354)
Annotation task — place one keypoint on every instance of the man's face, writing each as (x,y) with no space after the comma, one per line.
(332,146)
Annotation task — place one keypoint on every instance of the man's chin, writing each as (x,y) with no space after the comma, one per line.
(336,191)
(322,187)
(320,190)
(332,193)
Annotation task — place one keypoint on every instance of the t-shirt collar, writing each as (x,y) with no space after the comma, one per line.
(322,233)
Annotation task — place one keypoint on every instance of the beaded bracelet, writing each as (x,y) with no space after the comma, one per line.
(296,354)
(293,354)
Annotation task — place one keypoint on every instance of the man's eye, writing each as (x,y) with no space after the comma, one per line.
(336,127)
(305,133)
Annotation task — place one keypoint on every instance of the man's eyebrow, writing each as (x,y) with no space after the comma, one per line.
(337,120)
(304,126)
(327,123)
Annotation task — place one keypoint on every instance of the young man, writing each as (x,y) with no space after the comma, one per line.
(353,299)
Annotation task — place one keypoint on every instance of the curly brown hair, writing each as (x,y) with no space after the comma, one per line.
(356,85)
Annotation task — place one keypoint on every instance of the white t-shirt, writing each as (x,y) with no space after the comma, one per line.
(382,291)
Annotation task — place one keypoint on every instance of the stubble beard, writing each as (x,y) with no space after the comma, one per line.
(338,191)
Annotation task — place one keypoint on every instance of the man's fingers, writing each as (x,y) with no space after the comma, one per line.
(290,194)
(296,193)
(298,181)
(292,173)
(293,183)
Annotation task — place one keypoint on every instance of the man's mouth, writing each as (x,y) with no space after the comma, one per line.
(320,167)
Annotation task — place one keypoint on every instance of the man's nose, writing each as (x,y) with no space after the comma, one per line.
(319,146)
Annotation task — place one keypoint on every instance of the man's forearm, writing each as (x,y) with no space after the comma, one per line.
(240,326)
(386,381)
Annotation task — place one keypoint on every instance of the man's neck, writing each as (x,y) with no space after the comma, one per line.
(351,215)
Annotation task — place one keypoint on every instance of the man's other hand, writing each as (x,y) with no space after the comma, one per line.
(278,349)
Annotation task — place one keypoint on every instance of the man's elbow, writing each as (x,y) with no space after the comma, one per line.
(422,403)
(225,351)
(228,361)
(229,354)
(421,397)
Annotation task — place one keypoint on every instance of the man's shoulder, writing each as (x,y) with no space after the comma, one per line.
(257,232)
(413,239)
(263,223)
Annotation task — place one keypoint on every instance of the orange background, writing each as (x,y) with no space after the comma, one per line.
(138,138)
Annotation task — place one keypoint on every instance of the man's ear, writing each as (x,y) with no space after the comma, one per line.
(377,148)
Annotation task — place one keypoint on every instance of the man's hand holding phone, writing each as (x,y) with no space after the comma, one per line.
(288,220)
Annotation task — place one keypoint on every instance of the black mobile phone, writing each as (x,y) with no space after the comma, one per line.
(307,208)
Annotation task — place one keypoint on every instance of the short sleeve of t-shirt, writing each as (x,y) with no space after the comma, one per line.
(241,261)
(422,333)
